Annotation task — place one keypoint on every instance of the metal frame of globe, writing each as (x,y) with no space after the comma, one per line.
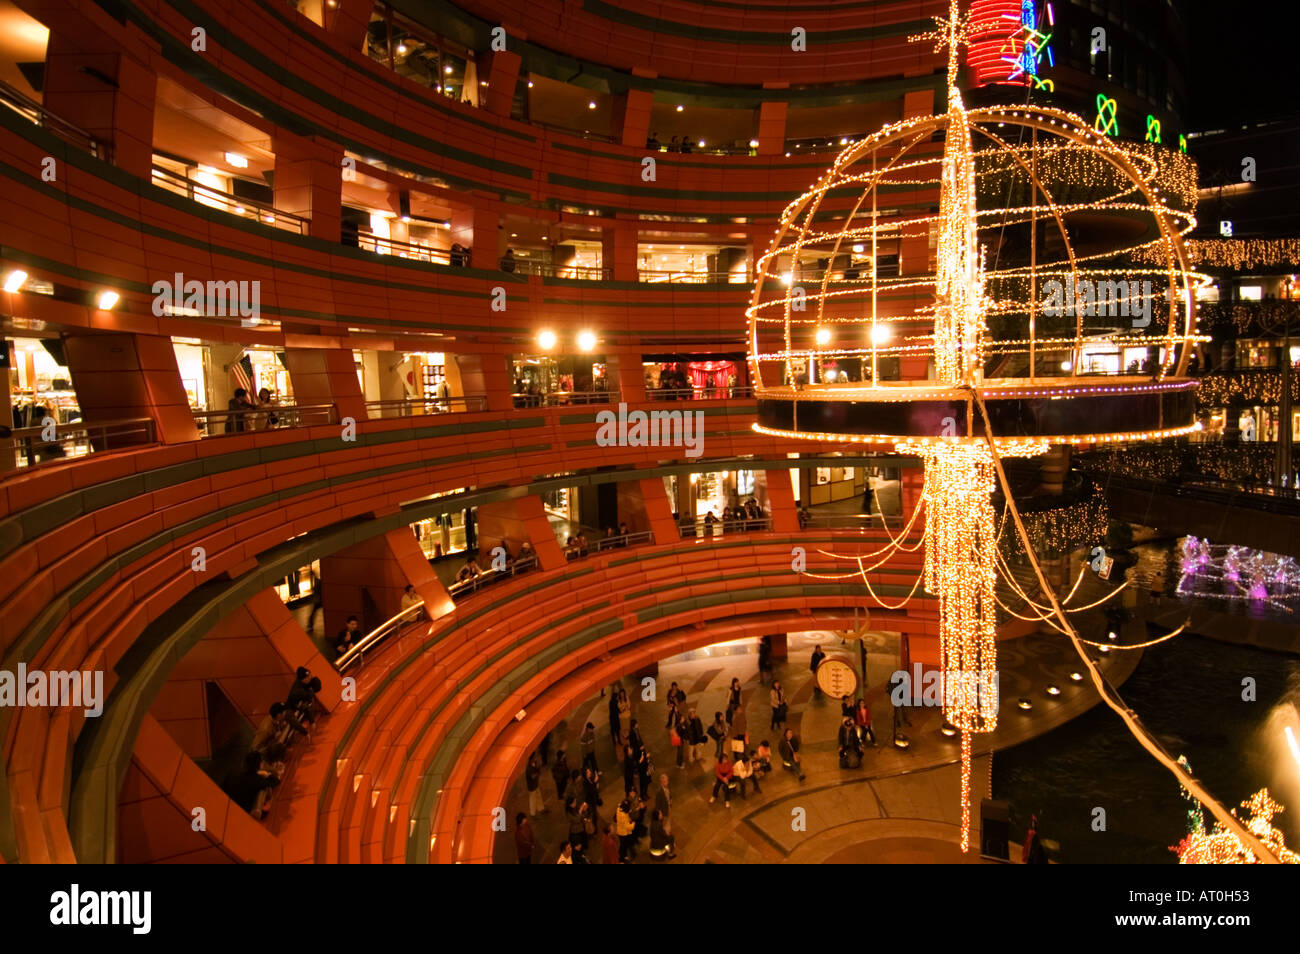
(1161,402)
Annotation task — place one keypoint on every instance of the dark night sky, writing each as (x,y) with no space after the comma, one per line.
(1245,61)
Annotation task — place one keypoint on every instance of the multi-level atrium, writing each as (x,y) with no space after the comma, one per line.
(493,432)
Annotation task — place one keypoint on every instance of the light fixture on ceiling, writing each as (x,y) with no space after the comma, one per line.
(881,333)
(680,107)
(753,144)
(107,299)
(823,336)
(14,280)
(591,104)
(447,70)
(401,49)
(236,160)
(546,340)
(586,340)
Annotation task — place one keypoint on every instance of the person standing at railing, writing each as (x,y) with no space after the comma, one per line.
(411,599)
(238,406)
(508,261)
(264,400)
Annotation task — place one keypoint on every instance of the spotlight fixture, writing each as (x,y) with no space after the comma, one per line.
(401,49)
(586,340)
(823,336)
(901,742)
(753,144)
(701,143)
(1025,704)
(1112,635)
(1053,690)
(107,300)
(881,333)
(447,70)
(236,160)
(530,84)
(1076,677)
(1104,650)
(546,340)
(14,280)
(680,107)
(591,104)
(948,729)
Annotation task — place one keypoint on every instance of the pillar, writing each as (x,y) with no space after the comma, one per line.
(367,580)
(349,20)
(475,226)
(308,182)
(626,374)
(509,523)
(780,495)
(326,376)
(118,375)
(771,118)
(94,82)
(618,244)
(658,510)
(488,374)
(631,119)
(501,70)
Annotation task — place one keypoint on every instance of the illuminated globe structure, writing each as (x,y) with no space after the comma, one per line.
(1034,327)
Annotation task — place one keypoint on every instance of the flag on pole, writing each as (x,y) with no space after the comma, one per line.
(242,370)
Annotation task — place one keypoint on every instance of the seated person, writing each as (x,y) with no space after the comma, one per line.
(762,759)
(743,772)
(470,570)
(411,599)
(850,746)
(302,696)
(248,788)
(273,759)
(275,727)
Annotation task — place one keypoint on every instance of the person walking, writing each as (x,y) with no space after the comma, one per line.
(677,736)
(629,767)
(813,663)
(675,699)
(560,773)
(663,797)
(696,737)
(722,773)
(644,768)
(587,746)
(733,699)
(524,840)
(779,705)
(614,734)
(662,843)
(533,783)
(626,829)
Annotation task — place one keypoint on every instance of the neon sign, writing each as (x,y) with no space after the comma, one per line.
(1024,49)
(1106,121)
(1153,129)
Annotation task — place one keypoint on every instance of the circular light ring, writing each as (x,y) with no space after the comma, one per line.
(1100,416)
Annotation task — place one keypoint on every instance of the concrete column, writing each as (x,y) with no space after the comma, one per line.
(771,119)
(618,244)
(126,375)
(326,376)
(625,372)
(484,374)
(348,20)
(631,119)
(309,182)
(658,510)
(501,70)
(780,495)
(94,82)
(475,226)
(368,579)
(509,523)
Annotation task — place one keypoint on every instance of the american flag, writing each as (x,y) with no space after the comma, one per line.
(242,369)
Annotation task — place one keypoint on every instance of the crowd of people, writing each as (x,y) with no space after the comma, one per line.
(285,723)
(247,414)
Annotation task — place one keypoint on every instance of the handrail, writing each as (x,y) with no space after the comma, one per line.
(32,447)
(409,250)
(377,635)
(40,116)
(616,542)
(656,276)
(564,397)
(406,407)
(491,575)
(264,417)
(720,393)
(591,273)
(214,198)
(850,521)
(701,528)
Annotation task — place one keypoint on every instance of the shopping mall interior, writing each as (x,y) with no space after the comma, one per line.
(477,431)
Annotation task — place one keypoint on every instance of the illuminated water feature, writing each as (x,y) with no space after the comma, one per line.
(1189,692)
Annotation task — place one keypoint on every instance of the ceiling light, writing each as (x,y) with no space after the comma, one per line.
(701,143)
(401,48)
(107,300)
(787,155)
(447,70)
(1066,366)
(514,235)
(1076,677)
(881,333)
(546,340)
(236,160)
(530,84)
(14,280)
(823,336)
(680,107)
(1053,691)
(586,340)
(1025,704)
(858,248)
(591,104)
(753,144)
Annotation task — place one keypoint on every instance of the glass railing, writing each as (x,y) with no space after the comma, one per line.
(410,407)
(418,253)
(723,393)
(654,276)
(555,398)
(717,527)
